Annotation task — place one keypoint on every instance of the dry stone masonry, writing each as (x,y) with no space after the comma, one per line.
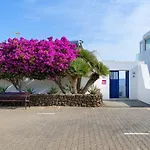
(79,100)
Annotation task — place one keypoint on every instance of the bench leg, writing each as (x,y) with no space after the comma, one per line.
(14,104)
(29,104)
(25,105)
(11,104)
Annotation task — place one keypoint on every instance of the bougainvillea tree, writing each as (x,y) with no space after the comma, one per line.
(35,59)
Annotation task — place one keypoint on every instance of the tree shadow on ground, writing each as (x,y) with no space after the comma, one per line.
(124,103)
(135,103)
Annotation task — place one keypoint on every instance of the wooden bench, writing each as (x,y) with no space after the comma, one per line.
(13,97)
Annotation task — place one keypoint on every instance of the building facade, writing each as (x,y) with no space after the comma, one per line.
(134,85)
(144,46)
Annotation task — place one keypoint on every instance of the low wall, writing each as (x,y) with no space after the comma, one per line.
(66,100)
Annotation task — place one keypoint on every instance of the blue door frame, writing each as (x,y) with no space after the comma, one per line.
(114,84)
(127,84)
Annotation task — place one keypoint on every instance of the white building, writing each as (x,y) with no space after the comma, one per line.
(136,78)
(144,54)
(137,85)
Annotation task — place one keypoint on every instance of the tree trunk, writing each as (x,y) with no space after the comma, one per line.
(74,81)
(18,84)
(90,82)
(58,82)
(79,84)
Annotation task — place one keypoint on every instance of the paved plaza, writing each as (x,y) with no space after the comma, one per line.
(69,128)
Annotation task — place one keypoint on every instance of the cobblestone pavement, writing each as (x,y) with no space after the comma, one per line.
(69,128)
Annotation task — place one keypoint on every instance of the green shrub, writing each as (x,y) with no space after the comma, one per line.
(52,90)
(94,90)
(30,90)
(3,89)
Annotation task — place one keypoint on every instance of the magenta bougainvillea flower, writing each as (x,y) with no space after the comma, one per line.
(36,58)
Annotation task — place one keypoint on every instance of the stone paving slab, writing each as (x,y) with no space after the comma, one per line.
(72,128)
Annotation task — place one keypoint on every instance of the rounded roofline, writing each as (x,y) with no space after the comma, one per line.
(147,34)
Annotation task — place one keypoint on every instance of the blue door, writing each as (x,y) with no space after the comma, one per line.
(114,84)
(127,84)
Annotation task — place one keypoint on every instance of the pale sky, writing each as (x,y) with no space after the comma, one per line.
(113,28)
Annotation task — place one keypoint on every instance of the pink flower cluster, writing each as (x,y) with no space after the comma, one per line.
(36,58)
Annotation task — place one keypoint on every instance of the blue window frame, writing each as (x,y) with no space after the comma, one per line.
(147,44)
(141,47)
(114,75)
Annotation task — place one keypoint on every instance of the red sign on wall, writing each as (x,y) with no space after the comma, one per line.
(103,81)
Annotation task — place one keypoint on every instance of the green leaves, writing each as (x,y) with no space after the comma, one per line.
(79,67)
(3,89)
(95,65)
(86,64)
(30,90)
(94,90)
(52,90)
(89,57)
(101,69)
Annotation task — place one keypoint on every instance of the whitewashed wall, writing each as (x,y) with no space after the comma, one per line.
(139,86)
(122,66)
(143,83)
(133,83)
(145,56)
(40,86)
(103,87)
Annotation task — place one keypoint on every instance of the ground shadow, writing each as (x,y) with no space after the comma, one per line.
(6,107)
(125,103)
(135,103)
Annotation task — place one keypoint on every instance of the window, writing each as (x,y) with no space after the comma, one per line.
(141,47)
(114,75)
(147,44)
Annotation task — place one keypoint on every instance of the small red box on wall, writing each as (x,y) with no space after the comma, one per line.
(103,81)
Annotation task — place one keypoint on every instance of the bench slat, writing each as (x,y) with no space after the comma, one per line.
(14,97)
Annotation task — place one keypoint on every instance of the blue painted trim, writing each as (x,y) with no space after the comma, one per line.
(114,84)
(127,84)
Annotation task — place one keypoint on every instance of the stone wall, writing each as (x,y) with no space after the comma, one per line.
(66,100)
